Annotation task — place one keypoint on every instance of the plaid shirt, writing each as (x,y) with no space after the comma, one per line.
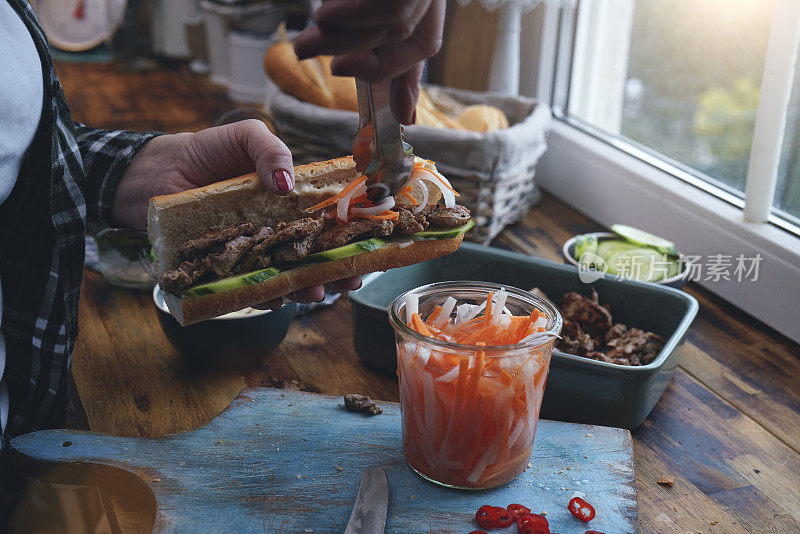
(70,172)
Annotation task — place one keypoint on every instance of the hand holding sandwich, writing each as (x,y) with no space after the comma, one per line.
(377,40)
(174,163)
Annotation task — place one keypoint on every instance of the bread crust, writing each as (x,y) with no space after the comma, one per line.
(189,310)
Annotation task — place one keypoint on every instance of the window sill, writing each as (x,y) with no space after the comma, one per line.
(611,186)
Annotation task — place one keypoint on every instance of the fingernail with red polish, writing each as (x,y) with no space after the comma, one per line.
(283,180)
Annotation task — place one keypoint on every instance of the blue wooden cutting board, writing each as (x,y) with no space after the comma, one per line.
(285,462)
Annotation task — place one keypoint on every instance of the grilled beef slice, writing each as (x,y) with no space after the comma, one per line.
(186,274)
(287,232)
(410,222)
(339,235)
(292,251)
(439,215)
(223,262)
(196,247)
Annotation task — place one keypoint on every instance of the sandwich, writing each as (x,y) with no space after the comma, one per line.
(234,244)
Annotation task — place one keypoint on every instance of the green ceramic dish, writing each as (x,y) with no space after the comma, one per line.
(578,389)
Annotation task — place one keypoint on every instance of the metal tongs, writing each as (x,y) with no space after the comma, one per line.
(391,158)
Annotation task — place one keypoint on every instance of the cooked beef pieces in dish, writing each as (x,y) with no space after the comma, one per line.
(589,331)
(244,247)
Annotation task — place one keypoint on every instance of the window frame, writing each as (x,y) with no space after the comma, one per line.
(645,189)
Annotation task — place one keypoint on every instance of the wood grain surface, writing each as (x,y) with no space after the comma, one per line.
(285,462)
(727,428)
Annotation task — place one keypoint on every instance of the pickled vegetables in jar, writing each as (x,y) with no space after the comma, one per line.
(472,361)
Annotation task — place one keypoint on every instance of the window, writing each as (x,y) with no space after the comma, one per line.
(681,117)
(677,82)
(787,193)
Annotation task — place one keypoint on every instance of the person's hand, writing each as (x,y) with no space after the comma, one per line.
(378,40)
(175,163)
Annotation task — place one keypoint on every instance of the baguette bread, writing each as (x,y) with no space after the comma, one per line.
(310,80)
(177,218)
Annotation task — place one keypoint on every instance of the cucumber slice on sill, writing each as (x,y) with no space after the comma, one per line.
(642,238)
(642,264)
(583,244)
(231,282)
(606,249)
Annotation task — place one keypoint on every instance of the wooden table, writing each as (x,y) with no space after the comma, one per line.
(727,429)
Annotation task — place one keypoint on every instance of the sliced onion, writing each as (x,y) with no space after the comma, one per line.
(448,196)
(444,315)
(385,204)
(344,203)
(424,188)
(540,322)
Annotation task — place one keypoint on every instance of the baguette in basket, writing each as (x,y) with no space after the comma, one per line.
(234,244)
(310,80)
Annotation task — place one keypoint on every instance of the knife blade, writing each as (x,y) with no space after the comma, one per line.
(391,158)
(372,502)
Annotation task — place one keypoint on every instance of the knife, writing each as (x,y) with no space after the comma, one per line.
(391,158)
(372,502)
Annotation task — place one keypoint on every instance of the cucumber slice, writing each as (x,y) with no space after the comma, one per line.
(640,237)
(609,248)
(585,243)
(673,268)
(642,264)
(231,282)
(443,233)
(346,251)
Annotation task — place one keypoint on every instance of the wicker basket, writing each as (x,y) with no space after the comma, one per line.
(493,171)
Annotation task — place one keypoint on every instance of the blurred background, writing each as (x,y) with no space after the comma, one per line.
(679,78)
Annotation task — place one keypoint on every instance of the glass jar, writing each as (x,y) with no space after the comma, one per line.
(469,413)
(123,258)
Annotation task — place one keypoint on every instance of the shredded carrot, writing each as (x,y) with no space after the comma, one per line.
(483,333)
(358,199)
(390,215)
(487,316)
(341,194)
(410,198)
(434,314)
(419,326)
(522,329)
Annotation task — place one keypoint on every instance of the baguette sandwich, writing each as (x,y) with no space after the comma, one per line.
(233,244)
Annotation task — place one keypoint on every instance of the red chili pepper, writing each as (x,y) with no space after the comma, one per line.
(478,532)
(581,509)
(518,509)
(504,517)
(486,516)
(532,524)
